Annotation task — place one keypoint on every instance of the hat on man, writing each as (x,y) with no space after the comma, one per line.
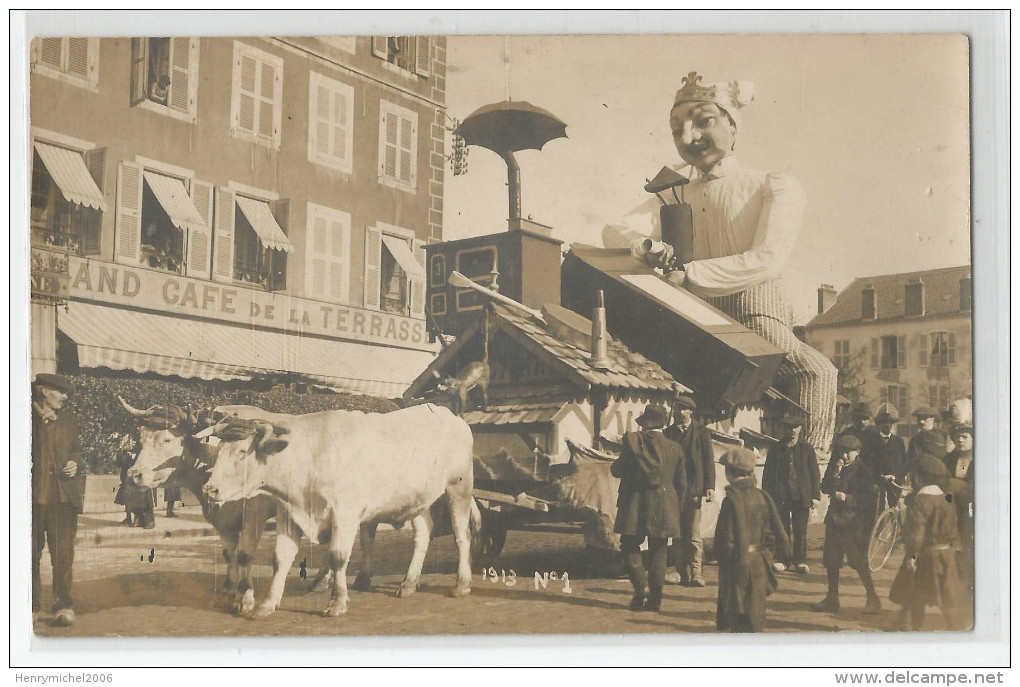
(54,382)
(685,401)
(930,470)
(848,442)
(790,420)
(739,459)
(886,412)
(961,428)
(654,417)
(730,96)
(861,410)
(924,412)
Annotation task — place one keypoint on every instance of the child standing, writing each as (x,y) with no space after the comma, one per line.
(748,529)
(853,500)
(930,574)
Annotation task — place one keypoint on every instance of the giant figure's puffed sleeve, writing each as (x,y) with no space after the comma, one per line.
(776,233)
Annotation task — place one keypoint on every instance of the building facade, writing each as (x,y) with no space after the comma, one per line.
(903,339)
(222,207)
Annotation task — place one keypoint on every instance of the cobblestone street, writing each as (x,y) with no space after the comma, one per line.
(163,582)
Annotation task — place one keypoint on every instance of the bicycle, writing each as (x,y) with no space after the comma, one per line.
(886,532)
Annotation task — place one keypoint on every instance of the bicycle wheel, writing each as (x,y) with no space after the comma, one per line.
(883,538)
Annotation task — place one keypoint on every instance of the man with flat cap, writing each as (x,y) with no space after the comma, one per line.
(58,490)
(860,420)
(699,464)
(745,227)
(929,440)
(791,477)
(650,468)
(885,454)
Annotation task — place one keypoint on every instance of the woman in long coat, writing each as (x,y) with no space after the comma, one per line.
(747,530)
(930,573)
(652,480)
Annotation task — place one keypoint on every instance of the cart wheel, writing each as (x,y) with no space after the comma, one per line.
(489,542)
(883,538)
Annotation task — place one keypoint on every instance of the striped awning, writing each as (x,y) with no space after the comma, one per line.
(68,171)
(265,225)
(174,198)
(122,339)
(404,257)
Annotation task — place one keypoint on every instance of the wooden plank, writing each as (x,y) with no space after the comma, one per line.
(521,500)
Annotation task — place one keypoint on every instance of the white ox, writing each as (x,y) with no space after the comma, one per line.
(330,472)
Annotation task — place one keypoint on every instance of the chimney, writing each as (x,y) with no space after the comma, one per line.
(966,294)
(826,298)
(869,305)
(599,355)
(913,301)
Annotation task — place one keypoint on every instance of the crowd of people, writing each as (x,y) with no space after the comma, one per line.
(762,531)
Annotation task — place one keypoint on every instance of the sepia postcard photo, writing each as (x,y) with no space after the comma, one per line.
(394,335)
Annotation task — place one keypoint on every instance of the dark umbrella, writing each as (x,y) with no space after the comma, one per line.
(507,127)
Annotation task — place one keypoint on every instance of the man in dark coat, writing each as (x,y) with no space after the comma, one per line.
(929,440)
(791,477)
(885,454)
(748,529)
(860,421)
(58,490)
(848,523)
(699,464)
(650,468)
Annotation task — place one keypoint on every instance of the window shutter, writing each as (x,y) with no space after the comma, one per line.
(268,124)
(223,237)
(247,71)
(316,251)
(91,243)
(922,350)
(875,360)
(180,74)
(379,46)
(321,130)
(388,145)
(339,134)
(338,289)
(78,57)
(422,55)
(278,258)
(951,346)
(406,150)
(199,239)
(373,261)
(418,283)
(129,212)
(139,60)
(51,52)
(901,351)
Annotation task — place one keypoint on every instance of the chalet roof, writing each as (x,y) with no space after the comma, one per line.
(628,373)
(942,296)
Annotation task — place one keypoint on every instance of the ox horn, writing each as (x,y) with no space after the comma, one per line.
(135,411)
(211,430)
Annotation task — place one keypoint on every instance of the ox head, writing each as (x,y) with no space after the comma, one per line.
(162,431)
(244,448)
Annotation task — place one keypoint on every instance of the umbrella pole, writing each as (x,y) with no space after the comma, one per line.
(513,175)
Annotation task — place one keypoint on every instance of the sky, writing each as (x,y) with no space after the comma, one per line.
(875,127)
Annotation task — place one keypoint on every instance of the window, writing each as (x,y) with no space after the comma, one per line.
(74,60)
(394,271)
(889,352)
(841,354)
(67,197)
(257,96)
(164,75)
(330,122)
(327,254)
(869,304)
(477,264)
(938,395)
(940,350)
(164,218)
(260,242)
(398,146)
(895,395)
(412,54)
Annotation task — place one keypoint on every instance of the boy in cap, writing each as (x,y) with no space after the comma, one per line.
(791,477)
(748,529)
(699,464)
(650,468)
(746,224)
(930,575)
(853,498)
(58,490)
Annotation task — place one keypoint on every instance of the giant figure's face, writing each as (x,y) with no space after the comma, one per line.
(702,133)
